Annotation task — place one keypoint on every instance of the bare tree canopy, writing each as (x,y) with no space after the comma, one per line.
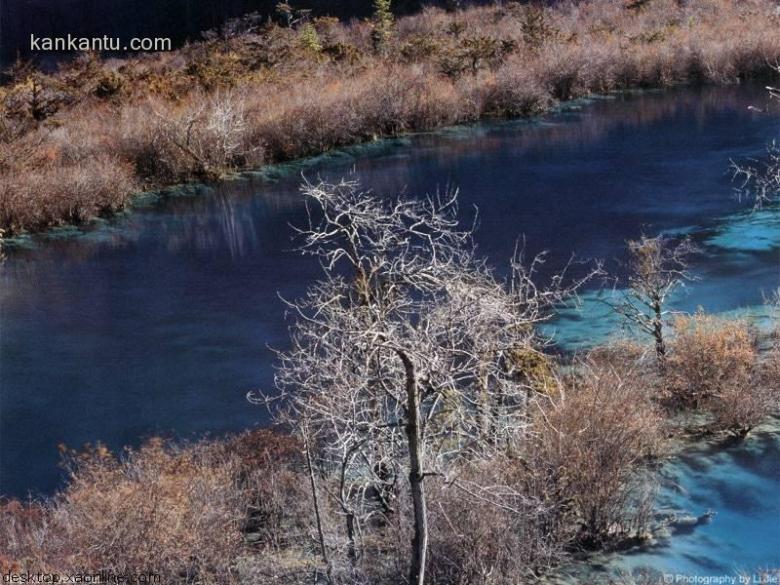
(759,180)
(408,354)
(658,266)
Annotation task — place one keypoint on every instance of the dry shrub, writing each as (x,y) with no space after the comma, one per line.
(212,133)
(489,526)
(183,512)
(23,531)
(323,114)
(595,433)
(707,356)
(769,368)
(625,354)
(739,409)
(515,91)
(715,365)
(180,512)
(295,124)
(56,193)
(564,72)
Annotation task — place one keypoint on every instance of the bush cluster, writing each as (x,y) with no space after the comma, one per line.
(715,366)
(240,510)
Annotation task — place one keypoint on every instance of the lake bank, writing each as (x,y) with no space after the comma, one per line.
(102,131)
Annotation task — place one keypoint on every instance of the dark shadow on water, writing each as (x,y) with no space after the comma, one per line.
(706,564)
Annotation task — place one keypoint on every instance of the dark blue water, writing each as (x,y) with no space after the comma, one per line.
(159,322)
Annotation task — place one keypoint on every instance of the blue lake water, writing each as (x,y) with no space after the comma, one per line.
(741,484)
(159,322)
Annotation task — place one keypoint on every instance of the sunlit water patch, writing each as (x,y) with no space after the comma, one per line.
(720,501)
(756,231)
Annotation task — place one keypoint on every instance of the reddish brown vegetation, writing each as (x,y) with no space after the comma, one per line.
(595,434)
(277,93)
(240,510)
(715,365)
(181,512)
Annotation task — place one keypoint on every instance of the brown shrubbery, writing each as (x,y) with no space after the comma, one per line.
(249,95)
(240,510)
(182,512)
(53,192)
(595,433)
(715,365)
(475,540)
(708,355)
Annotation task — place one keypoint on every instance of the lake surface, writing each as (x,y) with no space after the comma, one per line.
(740,483)
(159,322)
(717,512)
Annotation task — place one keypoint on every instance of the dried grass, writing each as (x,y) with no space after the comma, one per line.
(715,365)
(262,96)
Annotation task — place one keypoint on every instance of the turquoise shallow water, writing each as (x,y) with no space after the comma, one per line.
(757,231)
(740,483)
(737,260)
(159,322)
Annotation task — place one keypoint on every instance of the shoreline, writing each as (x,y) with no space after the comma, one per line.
(143,198)
(81,143)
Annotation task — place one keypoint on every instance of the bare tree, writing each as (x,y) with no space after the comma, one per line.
(402,355)
(212,133)
(658,266)
(759,180)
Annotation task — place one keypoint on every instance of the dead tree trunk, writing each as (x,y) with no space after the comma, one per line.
(486,409)
(349,513)
(658,333)
(351,548)
(317,513)
(416,475)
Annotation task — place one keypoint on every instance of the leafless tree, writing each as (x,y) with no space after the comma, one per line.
(402,354)
(658,266)
(759,180)
(212,134)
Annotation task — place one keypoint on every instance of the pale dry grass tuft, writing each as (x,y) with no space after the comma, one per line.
(715,365)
